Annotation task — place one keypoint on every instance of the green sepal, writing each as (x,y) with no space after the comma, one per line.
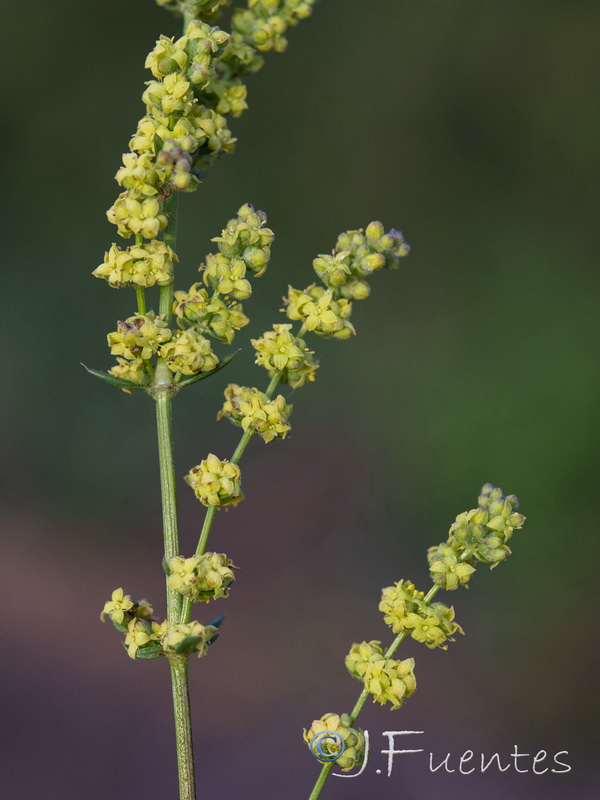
(158,144)
(201,375)
(188,645)
(148,652)
(121,628)
(122,384)
(166,567)
(155,651)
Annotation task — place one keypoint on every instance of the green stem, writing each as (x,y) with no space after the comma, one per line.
(273,384)
(362,698)
(244,441)
(323,775)
(208,521)
(183,727)
(170,236)
(163,392)
(139,290)
(188,16)
(186,607)
(141,299)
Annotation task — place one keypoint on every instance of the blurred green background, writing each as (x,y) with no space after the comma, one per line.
(474,128)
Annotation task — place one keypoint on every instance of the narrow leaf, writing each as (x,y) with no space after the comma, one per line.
(121,628)
(217,621)
(123,384)
(150,652)
(188,645)
(201,375)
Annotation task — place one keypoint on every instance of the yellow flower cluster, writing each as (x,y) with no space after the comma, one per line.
(141,633)
(254,410)
(209,314)
(404,609)
(353,752)
(446,568)
(484,532)
(326,309)
(319,312)
(215,482)
(480,534)
(135,213)
(144,265)
(201,577)
(189,353)
(145,637)
(135,620)
(166,146)
(196,82)
(387,679)
(279,351)
(265,22)
(139,337)
(185,639)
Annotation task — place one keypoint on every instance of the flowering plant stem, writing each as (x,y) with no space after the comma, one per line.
(183,727)
(178,665)
(362,698)
(199,82)
(163,394)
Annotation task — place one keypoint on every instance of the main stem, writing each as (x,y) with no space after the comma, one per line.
(183,727)
(163,394)
(178,665)
(362,698)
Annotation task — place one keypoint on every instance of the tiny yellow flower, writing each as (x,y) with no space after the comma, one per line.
(117,606)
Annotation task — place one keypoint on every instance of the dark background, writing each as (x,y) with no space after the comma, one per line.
(473,127)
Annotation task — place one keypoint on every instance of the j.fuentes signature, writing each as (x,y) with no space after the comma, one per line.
(465,764)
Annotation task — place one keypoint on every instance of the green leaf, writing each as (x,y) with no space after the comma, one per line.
(158,144)
(154,651)
(122,384)
(201,375)
(148,652)
(188,645)
(217,621)
(121,628)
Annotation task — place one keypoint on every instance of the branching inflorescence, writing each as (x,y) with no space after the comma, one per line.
(478,535)
(198,84)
